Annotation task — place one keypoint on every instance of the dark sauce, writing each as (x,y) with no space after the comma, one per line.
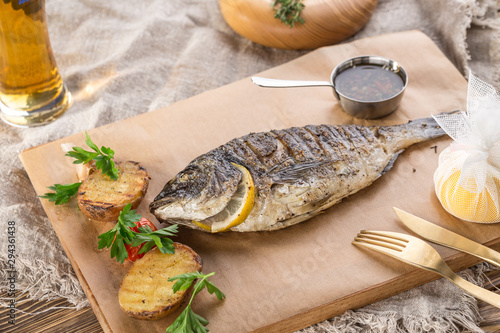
(369,83)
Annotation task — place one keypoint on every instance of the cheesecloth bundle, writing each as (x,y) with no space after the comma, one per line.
(467,180)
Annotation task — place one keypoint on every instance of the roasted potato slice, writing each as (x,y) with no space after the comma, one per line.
(146,293)
(102,198)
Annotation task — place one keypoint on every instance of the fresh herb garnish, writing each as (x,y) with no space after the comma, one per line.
(151,238)
(188,321)
(62,193)
(288,11)
(103,157)
(103,161)
(121,234)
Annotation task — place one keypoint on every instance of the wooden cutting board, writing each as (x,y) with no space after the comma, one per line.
(284,280)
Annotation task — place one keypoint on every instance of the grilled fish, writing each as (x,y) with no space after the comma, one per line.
(298,172)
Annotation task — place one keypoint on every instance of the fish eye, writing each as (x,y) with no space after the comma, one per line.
(187,175)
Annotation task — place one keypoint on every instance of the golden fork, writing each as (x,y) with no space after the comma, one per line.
(416,252)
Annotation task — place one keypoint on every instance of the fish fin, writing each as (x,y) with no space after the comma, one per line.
(293,172)
(391,162)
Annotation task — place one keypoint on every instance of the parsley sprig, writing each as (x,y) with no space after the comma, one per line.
(103,161)
(188,321)
(62,193)
(121,234)
(103,157)
(288,11)
(151,238)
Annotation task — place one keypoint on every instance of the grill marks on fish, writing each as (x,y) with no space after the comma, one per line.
(298,172)
(303,148)
(304,170)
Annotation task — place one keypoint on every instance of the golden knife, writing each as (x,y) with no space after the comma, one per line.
(442,236)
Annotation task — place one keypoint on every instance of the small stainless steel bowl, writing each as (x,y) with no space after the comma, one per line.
(372,109)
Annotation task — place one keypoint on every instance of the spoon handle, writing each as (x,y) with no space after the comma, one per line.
(273,83)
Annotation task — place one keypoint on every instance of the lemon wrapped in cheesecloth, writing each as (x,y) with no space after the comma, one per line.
(467,180)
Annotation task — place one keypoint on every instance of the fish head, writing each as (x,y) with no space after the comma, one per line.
(198,192)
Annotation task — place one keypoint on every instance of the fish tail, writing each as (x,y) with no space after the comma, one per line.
(425,128)
(402,136)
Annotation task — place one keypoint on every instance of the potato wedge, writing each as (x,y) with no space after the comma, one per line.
(146,293)
(101,198)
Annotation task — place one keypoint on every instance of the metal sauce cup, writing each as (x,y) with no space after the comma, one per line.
(371,109)
(354,107)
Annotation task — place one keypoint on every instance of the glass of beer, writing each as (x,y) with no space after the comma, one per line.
(32,92)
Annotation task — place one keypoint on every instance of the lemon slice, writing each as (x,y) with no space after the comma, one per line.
(203,226)
(237,209)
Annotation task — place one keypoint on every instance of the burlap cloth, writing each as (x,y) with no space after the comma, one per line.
(123,58)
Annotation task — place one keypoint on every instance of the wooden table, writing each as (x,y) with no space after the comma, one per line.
(69,321)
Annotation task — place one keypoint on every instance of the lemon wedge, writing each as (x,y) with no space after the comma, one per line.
(237,209)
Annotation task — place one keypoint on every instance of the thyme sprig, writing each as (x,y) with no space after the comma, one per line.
(288,11)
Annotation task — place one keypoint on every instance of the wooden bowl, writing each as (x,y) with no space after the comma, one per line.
(326,22)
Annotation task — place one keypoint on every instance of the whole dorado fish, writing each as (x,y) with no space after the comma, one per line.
(297,173)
